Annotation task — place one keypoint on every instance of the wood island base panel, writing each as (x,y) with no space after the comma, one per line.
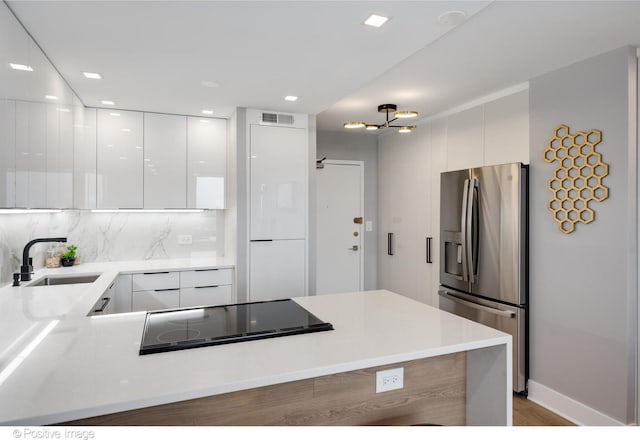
(433,393)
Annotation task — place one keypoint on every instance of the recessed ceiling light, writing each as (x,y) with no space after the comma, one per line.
(126,130)
(290,98)
(210,84)
(376,20)
(108,102)
(51,97)
(204,121)
(114,114)
(60,109)
(21,67)
(92,75)
(207,112)
(452,18)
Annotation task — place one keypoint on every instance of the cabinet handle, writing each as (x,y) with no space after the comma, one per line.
(205,270)
(429,260)
(153,273)
(252,241)
(105,302)
(204,287)
(390,243)
(165,290)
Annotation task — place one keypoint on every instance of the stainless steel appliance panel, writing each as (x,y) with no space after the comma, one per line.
(508,319)
(453,200)
(498,219)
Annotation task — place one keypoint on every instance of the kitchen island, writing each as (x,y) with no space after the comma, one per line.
(68,367)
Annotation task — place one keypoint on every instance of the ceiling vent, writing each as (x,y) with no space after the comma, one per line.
(277,118)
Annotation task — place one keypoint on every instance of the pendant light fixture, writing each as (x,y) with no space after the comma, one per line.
(387,109)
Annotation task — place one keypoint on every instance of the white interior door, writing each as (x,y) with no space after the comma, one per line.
(340,206)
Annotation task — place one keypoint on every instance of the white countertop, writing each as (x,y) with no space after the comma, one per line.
(66,366)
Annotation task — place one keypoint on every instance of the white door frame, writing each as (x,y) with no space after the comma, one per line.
(360,164)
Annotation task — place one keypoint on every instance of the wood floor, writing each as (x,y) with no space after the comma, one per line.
(527,413)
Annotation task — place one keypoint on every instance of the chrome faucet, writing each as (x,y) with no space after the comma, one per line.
(27,262)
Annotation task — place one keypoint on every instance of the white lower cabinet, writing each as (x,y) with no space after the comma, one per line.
(155,291)
(205,296)
(277,269)
(155,281)
(122,300)
(206,287)
(206,278)
(105,304)
(148,300)
(148,291)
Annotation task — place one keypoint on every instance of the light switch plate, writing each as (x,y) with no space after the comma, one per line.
(387,380)
(368,226)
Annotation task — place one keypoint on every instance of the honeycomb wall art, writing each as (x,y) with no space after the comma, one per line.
(577,180)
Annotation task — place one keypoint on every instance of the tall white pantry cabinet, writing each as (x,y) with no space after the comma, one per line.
(278,205)
(409,168)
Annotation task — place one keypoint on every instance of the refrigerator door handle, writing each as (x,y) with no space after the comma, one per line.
(463,229)
(471,235)
(498,312)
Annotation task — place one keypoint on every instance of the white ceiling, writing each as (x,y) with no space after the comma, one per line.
(155,55)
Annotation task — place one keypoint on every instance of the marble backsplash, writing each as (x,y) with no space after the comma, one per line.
(110,236)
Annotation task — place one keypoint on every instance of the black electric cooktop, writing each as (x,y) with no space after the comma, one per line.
(169,330)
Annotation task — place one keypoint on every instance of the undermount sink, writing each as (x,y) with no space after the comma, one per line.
(61,279)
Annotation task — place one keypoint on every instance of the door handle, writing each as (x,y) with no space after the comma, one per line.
(471,234)
(429,260)
(463,229)
(390,243)
(357,220)
(105,302)
(353,248)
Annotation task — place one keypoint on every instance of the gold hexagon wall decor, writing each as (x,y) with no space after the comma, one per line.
(577,180)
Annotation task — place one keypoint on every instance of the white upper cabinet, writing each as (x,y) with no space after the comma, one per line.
(31,155)
(14,47)
(59,156)
(506,129)
(206,163)
(84,157)
(7,154)
(165,161)
(465,147)
(119,159)
(278,182)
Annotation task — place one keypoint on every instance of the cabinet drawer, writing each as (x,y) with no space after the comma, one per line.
(155,300)
(206,278)
(205,296)
(156,281)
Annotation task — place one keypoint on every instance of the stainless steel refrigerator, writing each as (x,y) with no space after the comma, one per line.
(484,252)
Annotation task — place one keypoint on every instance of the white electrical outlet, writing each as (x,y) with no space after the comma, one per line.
(388,380)
(185,239)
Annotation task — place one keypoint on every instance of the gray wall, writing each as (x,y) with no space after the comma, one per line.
(363,147)
(311,235)
(583,288)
